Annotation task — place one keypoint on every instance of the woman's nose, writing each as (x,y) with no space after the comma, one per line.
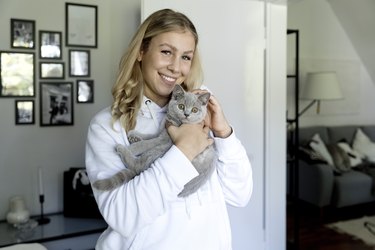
(174,64)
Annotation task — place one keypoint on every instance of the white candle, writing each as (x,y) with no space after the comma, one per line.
(41,192)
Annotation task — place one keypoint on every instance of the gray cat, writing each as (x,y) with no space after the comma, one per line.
(184,107)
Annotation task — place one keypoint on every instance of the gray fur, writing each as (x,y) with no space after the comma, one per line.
(144,150)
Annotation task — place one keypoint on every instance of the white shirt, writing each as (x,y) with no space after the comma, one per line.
(146,213)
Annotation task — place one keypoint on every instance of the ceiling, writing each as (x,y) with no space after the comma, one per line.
(358,20)
(357,17)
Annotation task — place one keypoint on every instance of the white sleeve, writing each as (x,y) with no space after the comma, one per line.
(234,170)
(132,206)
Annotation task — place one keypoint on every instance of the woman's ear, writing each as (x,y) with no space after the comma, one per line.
(140,56)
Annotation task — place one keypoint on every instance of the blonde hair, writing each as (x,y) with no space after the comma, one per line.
(128,89)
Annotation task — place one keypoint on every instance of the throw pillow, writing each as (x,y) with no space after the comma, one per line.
(319,146)
(363,145)
(340,158)
(309,155)
(354,157)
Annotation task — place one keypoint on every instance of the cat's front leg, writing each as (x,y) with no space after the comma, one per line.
(127,157)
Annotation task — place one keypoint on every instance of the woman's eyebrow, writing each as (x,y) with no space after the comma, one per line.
(175,49)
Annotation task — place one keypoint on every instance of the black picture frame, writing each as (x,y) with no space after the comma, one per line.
(17,74)
(79,63)
(51,70)
(24,112)
(85,91)
(56,104)
(50,44)
(22,33)
(81,25)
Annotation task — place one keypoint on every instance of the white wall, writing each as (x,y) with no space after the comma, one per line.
(24,148)
(324,45)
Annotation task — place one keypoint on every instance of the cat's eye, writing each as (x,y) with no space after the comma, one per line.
(181,106)
(194,110)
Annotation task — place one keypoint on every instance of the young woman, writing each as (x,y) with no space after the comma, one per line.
(146,213)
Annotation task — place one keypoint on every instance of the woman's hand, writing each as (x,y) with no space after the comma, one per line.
(191,139)
(215,118)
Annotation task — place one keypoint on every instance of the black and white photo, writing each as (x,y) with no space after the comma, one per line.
(50,44)
(85,91)
(79,63)
(25,112)
(17,76)
(56,103)
(49,70)
(81,25)
(22,33)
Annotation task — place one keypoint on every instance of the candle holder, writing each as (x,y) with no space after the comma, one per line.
(42,220)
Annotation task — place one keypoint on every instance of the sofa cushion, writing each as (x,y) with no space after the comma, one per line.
(363,145)
(341,133)
(319,147)
(307,154)
(352,188)
(306,133)
(354,157)
(340,158)
(369,130)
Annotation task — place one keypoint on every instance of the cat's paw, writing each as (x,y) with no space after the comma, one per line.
(134,137)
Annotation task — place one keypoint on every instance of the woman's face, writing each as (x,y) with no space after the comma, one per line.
(166,63)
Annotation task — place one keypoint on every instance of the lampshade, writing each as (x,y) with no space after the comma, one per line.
(322,86)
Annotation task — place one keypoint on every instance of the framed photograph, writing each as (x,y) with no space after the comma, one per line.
(17,76)
(22,33)
(81,24)
(25,112)
(85,91)
(79,63)
(56,103)
(50,44)
(49,70)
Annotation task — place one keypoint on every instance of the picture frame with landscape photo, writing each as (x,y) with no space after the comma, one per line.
(22,33)
(24,112)
(17,76)
(56,104)
(50,44)
(85,91)
(52,70)
(81,24)
(79,63)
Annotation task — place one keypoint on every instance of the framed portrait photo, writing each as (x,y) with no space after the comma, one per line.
(79,63)
(85,91)
(52,70)
(22,33)
(56,103)
(81,24)
(17,76)
(24,112)
(50,44)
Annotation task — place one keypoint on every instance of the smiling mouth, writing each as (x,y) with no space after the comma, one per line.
(168,78)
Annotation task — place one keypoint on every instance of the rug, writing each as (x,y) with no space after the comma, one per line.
(361,228)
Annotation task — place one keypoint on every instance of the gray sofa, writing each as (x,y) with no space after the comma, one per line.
(320,185)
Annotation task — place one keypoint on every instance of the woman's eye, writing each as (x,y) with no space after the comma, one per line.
(194,110)
(181,106)
(166,52)
(186,58)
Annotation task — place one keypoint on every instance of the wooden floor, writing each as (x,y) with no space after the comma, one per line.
(313,235)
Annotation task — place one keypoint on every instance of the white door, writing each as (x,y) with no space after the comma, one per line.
(247,73)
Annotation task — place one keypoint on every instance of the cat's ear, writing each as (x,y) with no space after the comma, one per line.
(178,92)
(204,98)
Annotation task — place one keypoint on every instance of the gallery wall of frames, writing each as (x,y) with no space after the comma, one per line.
(56,96)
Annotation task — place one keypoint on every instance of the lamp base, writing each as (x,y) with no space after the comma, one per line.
(43,220)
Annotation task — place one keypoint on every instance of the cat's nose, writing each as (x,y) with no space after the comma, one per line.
(186,115)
